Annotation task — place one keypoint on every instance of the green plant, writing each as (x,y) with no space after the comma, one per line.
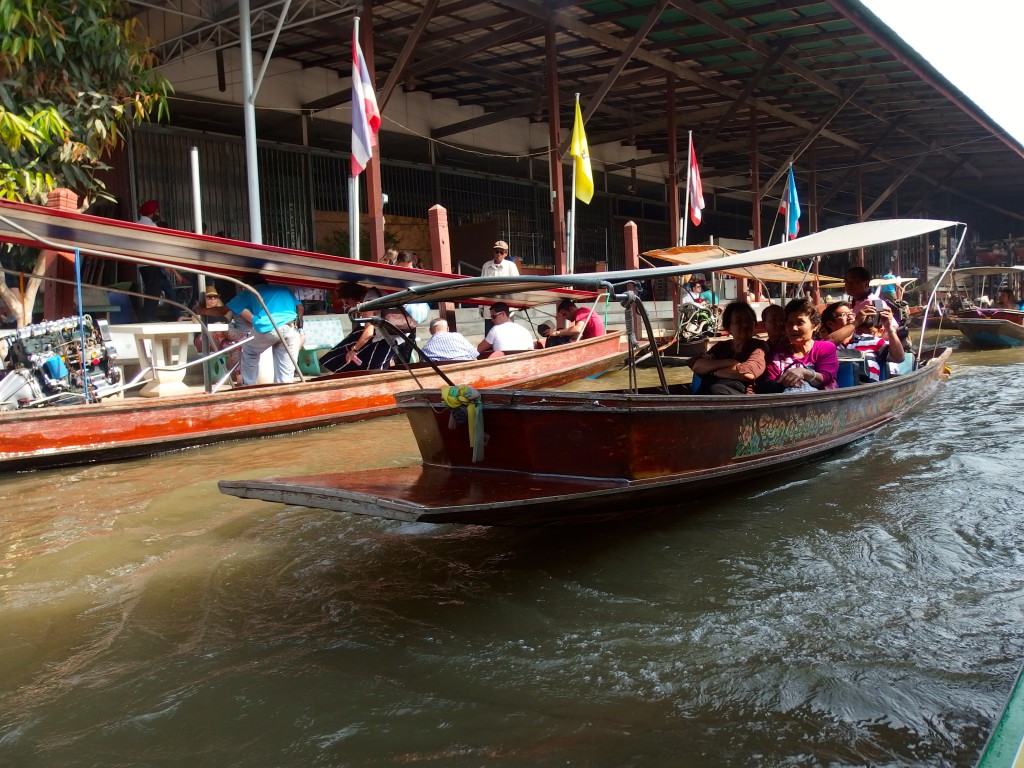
(74,75)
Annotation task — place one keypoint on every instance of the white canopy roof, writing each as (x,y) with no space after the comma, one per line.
(844,238)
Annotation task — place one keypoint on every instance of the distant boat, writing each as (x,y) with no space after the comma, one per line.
(988,326)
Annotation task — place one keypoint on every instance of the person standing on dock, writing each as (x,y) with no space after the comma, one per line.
(500,265)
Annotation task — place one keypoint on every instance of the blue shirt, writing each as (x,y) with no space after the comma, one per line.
(279,300)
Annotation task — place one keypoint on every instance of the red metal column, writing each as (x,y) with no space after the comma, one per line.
(673,163)
(860,212)
(374,193)
(755,197)
(554,159)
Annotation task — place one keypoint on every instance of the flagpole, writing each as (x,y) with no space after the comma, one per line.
(785,196)
(353,185)
(689,168)
(571,260)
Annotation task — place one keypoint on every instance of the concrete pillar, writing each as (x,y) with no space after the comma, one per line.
(441,254)
(59,298)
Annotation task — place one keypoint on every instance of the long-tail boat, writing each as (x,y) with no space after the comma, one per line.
(93,423)
(990,327)
(511,457)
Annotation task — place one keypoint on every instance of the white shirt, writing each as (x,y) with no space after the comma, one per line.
(504,268)
(509,337)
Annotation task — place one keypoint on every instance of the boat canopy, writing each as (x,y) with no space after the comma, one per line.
(877,282)
(845,238)
(984,271)
(764,273)
(41,227)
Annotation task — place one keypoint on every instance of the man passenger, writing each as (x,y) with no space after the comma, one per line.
(583,323)
(505,336)
(444,345)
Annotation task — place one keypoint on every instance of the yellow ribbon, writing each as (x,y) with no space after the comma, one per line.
(457,397)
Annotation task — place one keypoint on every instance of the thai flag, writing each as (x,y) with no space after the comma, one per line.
(695,193)
(365,114)
(790,208)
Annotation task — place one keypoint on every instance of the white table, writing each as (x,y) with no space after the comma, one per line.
(162,347)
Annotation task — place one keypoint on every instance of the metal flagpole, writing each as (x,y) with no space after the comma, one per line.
(249,115)
(197,216)
(353,183)
(571,256)
(689,169)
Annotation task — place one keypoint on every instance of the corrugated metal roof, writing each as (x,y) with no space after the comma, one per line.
(830,70)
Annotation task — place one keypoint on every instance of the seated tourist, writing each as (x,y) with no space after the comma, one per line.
(774,319)
(691,293)
(869,331)
(1006,300)
(547,337)
(801,362)
(505,335)
(731,367)
(444,345)
(582,323)
(366,348)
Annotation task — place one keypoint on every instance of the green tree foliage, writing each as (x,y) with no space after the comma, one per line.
(74,75)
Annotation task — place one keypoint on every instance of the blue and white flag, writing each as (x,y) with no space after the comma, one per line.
(790,208)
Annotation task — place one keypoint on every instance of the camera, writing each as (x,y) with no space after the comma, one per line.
(879,305)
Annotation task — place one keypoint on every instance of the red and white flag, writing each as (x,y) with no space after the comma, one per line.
(365,114)
(695,193)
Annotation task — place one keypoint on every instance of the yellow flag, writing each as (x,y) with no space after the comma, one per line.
(583,175)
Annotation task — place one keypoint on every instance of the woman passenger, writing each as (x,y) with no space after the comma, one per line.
(731,367)
(366,348)
(801,363)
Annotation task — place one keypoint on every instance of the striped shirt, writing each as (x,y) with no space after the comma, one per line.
(448,345)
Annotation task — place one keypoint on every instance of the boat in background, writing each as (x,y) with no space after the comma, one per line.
(63,403)
(511,457)
(988,326)
(32,438)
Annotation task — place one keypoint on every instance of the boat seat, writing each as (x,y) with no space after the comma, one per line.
(857,363)
(847,375)
(905,367)
(323,332)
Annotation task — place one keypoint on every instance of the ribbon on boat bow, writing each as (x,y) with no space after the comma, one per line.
(467,397)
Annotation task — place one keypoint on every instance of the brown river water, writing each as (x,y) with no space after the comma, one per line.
(863,610)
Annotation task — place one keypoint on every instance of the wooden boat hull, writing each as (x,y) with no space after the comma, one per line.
(558,457)
(987,328)
(117,429)
(936,320)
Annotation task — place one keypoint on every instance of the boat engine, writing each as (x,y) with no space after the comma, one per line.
(45,364)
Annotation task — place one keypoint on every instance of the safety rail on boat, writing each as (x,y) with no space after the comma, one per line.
(140,261)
